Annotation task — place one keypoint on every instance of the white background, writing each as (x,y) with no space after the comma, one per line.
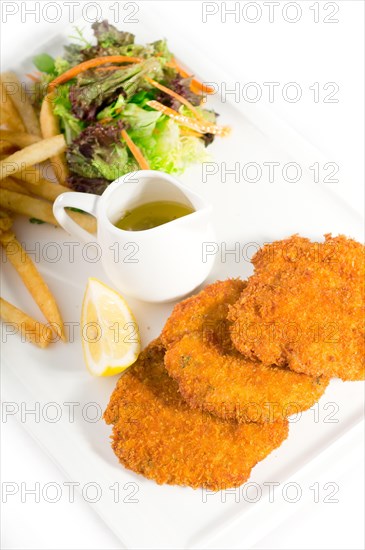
(304,53)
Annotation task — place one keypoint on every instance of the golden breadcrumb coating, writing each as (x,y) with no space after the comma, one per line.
(213,376)
(304,307)
(158,435)
(202,312)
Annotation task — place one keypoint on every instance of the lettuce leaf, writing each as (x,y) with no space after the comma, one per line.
(107,35)
(182,87)
(94,106)
(91,92)
(140,123)
(98,153)
(161,50)
(70,125)
(167,150)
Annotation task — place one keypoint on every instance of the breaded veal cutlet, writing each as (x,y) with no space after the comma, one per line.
(213,376)
(306,304)
(158,435)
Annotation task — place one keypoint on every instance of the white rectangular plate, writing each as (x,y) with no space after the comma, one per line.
(148,515)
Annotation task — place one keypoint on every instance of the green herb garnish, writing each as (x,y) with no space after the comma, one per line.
(44,63)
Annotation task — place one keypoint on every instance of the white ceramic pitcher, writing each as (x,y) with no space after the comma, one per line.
(154,265)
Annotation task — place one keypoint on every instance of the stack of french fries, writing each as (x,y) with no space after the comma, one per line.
(26,143)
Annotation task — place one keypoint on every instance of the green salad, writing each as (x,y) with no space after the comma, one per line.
(123,106)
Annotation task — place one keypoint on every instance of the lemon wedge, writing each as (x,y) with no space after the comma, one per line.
(109,332)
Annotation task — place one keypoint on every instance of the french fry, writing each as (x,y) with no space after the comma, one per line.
(33,154)
(34,331)
(5,117)
(5,214)
(85,221)
(12,185)
(6,221)
(40,209)
(6,148)
(19,139)
(50,127)
(9,116)
(45,190)
(33,281)
(17,93)
(27,206)
(31,175)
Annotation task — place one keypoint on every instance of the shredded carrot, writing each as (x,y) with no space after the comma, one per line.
(173,64)
(203,127)
(175,95)
(74,71)
(33,77)
(196,86)
(136,152)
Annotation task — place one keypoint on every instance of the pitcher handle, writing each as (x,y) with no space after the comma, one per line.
(83,201)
